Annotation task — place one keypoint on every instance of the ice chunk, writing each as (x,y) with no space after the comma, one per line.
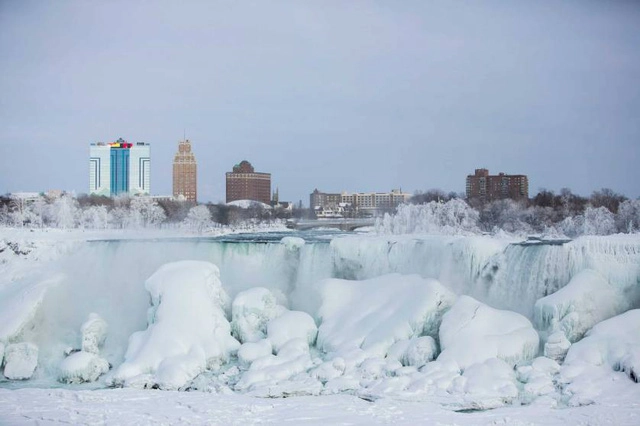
(291,325)
(292,243)
(557,346)
(21,360)
(420,351)
(94,332)
(1,353)
(473,332)
(374,314)
(487,384)
(251,311)
(251,351)
(588,299)
(82,367)
(188,331)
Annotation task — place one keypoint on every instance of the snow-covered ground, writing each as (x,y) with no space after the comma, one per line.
(111,327)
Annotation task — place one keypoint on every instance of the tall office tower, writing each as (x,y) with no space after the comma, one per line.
(483,186)
(185,178)
(243,183)
(119,168)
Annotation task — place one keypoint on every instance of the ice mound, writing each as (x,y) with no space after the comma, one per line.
(251,310)
(292,243)
(251,351)
(486,385)
(374,314)
(188,331)
(472,332)
(587,300)
(21,360)
(291,325)
(19,304)
(556,346)
(94,333)
(82,367)
(614,343)
(538,378)
(281,374)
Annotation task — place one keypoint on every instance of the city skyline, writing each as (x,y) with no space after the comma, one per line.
(356,97)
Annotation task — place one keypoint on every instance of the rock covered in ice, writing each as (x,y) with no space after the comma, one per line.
(21,360)
(1,354)
(270,370)
(94,333)
(420,351)
(291,325)
(251,351)
(487,384)
(538,378)
(292,243)
(556,346)
(82,367)
(588,299)
(613,343)
(473,332)
(188,331)
(251,310)
(374,314)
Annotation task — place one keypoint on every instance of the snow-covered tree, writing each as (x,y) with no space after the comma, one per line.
(96,217)
(198,218)
(144,212)
(64,211)
(628,218)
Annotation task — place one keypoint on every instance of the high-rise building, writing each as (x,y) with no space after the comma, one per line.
(185,178)
(119,168)
(487,187)
(244,183)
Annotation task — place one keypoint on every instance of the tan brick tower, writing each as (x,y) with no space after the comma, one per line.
(185,177)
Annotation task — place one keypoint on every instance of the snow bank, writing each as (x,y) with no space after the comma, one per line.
(587,300)
(374,314)
(291,325)
(472,332)
(251,311)
(251,351)
(614,343)
(188,331)
(82,367)
(21,360)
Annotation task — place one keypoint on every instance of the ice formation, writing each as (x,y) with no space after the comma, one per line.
(374,314)
(472,332)
(575,308)
(251,310)
(82,367)
(21,360)
(187,332)
(291,325)
(94,332)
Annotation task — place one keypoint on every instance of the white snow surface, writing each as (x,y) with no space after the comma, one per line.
(247,204)
(374,314)
(188,330)
(291,325)
(585,301)
(94,333)
(472,332)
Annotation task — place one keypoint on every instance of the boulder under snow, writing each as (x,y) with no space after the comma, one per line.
(374,314)
(188,331)
(472,332)
(21,360)
(251,310)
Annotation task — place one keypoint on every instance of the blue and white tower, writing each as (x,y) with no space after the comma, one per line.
(119,168)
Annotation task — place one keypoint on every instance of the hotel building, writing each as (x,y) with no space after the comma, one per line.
(244,183)
(185,175)
(119,168)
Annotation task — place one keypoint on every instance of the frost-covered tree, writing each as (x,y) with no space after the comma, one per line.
(628,217)
(452,217)
(198,218)
(64,211)
(95,217)
(145,212)
(594,221)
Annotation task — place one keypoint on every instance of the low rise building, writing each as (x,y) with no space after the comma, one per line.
(485,187)
(357,203)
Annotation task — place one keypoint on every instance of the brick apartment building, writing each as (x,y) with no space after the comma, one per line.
(244,183)
(487,187)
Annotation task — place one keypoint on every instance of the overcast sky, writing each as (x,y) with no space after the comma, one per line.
(335,95)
